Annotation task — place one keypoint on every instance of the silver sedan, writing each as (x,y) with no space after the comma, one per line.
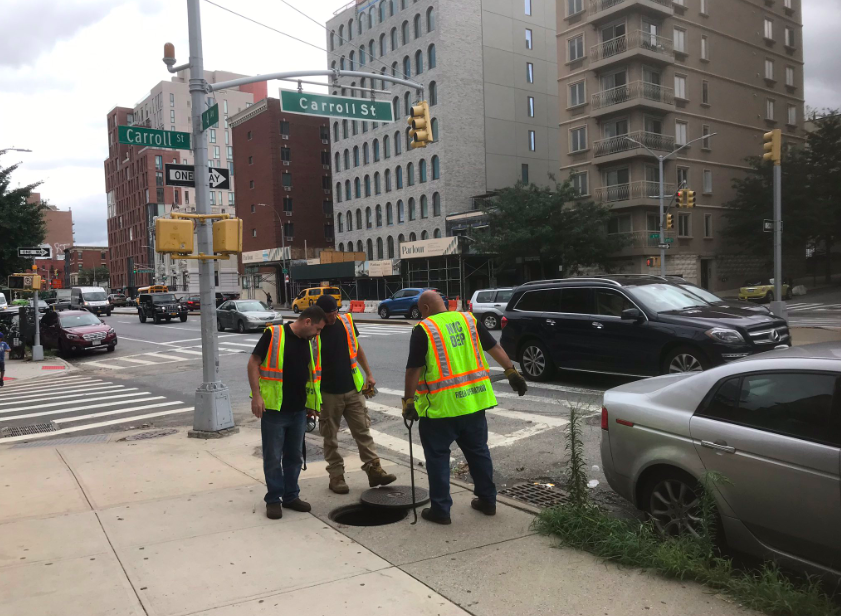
(245,315)
(769,424)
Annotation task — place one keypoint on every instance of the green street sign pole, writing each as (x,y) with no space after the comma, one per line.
(153,138)
(335,106)
(210,117)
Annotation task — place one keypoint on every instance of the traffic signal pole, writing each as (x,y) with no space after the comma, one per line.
(778,306)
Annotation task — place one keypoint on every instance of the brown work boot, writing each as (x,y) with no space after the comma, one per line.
(377,476)
(338,485)
(298,505)
(274,511)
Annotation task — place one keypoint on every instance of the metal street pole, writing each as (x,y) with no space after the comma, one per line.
(37,349)
(778,306)
(212,412)
(662,160)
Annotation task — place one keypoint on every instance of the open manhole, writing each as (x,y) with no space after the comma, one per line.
(147,435)
(536,494)
(394,497)
(38,428)
(363,515)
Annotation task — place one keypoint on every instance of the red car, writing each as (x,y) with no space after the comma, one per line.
(70,331)
(193,302)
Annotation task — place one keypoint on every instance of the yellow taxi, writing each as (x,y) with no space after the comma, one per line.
(308,297)
(762,290)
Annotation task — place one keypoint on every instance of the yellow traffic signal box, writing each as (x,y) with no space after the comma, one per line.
(421,124)
(227,236)
(174,236)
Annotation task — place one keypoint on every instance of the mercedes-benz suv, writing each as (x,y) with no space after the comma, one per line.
(629,325)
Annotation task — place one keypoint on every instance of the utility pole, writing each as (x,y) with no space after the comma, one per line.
(774,152)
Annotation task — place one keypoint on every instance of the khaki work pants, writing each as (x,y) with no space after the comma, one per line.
(352,407)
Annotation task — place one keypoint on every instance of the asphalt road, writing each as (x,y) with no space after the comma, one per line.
(821,308)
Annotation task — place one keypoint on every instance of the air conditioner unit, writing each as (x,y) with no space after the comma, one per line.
(326,191)
(325,166)
(287,188)
(325,141)
(288,213)
(284,136)
(289,238)
(286,163)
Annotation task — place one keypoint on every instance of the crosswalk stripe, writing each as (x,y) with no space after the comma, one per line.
(49,404)
(137,360)
(11,389)
(498,394)
(15,393)
(226,343)
(101,424)
(65,393)
(131,409)
(99,364)
(188,351)
(81,408)
(551,421)
(504,440)
(166,358)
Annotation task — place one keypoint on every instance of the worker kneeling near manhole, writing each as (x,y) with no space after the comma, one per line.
(448,389)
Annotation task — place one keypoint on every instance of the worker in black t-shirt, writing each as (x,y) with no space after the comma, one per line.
(343,362)
(283,374)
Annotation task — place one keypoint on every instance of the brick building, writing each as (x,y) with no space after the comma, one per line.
(77,258)
(283,192)
(59,235)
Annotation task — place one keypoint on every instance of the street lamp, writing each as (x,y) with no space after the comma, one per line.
(662,159)
(14,149)
(282,251)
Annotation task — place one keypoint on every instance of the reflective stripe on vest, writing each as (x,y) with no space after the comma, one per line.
(272,366)
(353,351)
(448,379)
(271,373)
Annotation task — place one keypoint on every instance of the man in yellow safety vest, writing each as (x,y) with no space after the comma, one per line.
(285,377)
(448,388)
(343,391)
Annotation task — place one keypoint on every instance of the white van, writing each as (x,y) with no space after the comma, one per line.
(3,303)
(92,299)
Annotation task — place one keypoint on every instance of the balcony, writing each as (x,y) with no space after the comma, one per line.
(649,47)
(604,10)
(632,194)
(621,147)
(634,94)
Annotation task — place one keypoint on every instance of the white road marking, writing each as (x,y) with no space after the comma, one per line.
(144,407)
(99,364)
(17,389)
(505,440)
(126,322)
(64,394)
(188,351)
(144,341)
(45,406)
(498,394)
(550,420)
(182,341)
(79,408)
(136,360)
(226,343)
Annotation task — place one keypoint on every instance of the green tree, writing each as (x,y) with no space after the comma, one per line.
(550,225)
(823,151)
(21,224)
(89,276)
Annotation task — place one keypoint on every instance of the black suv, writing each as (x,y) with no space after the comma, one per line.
(629,325)
(159,307)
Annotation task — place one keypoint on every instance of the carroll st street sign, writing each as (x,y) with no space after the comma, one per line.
(153,138)
(335,106)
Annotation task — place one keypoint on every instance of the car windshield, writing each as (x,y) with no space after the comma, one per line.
(163,298)
(94,296)
(702,293)
(254,306)
(665,297)
(79,320)
(756,282)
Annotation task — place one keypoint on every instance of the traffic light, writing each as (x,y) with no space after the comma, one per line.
(773,146)
(421,133)
(689,198)
(227,236)
(680,198)
(173,236)
(670,222)
(653,261)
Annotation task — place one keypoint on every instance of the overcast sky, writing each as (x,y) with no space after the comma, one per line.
(64,65)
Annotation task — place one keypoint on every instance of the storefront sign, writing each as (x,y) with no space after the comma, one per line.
(386,267)
(270,255)
(429,248)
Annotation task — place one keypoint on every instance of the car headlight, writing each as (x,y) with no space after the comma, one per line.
(111,330)
(72,337)
(725,335)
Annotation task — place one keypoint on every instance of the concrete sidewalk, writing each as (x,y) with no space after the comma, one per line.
(174,525)
(20,370)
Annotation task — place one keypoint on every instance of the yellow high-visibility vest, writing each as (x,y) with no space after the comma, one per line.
(271,372)
(353,351)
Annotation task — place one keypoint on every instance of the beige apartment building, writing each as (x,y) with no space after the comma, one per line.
(662,73)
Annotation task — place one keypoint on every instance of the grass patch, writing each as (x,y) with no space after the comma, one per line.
(585,526)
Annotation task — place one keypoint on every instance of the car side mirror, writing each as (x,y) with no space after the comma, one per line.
(631,314)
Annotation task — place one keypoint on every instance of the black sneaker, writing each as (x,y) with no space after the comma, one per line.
(429,516)
(298,505)
(484,506)
(274,511)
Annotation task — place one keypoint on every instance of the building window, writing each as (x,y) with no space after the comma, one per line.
(398,177)
(405,32)
(253,232)
(359,219)
(412,215)
(230,152)
(366,154)
(708,225)
(681,129)
(410,174)
(422,170)
(524,173)
(418,62)
(684,225)
(532,141)
(284,127)
(619,224)
(436,204)
(172,115)
(287,204)
(769,69)
(580,184)
(433,94)
(417,26)
(705,132)
(708,182)
(531,106)
(680,86)
(769,29)
(790,76)
(285,154)
(432,60)
(574,7)
(424,207)
(159,162)
(769,109)
(436,168)
(529,39)
(577,94)
(376,150)
(680,40)
(390,247)
(430,20)
(251,184)
(578,139)
(704,7)
(789,37)
(171,100)
(682,177)
(792,115)
(575,48)
(529,72)
(705,92)
(289,230)
(401,213)
(528,7)
(389,214)
(286,178)
(705,48)
(435,129)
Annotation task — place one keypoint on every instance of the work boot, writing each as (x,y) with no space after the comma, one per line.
(484,506)
(274,511)
(377,476)
(437,518)
(338,485)
(298,505)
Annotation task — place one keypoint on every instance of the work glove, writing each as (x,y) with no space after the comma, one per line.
(409,411)
(516,380)
(369,391)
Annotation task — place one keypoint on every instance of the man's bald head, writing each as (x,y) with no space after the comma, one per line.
(430,303)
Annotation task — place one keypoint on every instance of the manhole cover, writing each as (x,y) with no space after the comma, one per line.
(361,515)
(147,435)
(394,497)
(38,428)
(536,494)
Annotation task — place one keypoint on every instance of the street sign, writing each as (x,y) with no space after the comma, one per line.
(184,175)
(150,137)
(664,246)
(669,240)
(210,117)
(654,236)
(285,271)
(42,252)
(768,225)
(335,106)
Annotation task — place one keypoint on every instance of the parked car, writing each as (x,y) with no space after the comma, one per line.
(71,331)
(403,302)
(762,290)
(3,303)
(308,297)
(223,297)
(245,315)
(193,302)
(633,326)
(117,299)
(62,299)
(159,307)
(715,300)
(769,424)
(92,299)
(488,305)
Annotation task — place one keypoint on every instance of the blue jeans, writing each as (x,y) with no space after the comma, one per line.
(283,438)
(470,433)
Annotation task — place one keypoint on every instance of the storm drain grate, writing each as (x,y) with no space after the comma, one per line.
(537,494)
(38,428)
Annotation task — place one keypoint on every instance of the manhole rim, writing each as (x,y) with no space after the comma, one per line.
(421,497)
(361,507)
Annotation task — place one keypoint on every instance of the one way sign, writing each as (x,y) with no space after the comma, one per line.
(184,175)
(42,252)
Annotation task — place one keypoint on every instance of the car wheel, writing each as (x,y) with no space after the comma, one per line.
(535,362)
(769,297)
(62,349)
(788,294)
(240,327)
(142,316)
(111,348)
(672,500)
(490,321)
(108,313)
(157,318)
(295,309)
(384,313)
(415,313)
(219,326)
(183,318)
(169,319)
(685,359)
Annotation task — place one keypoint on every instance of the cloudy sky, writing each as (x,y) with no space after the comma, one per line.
(64,65)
